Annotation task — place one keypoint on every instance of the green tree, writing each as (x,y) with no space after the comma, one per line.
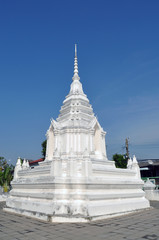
(3,163)
(43,148)
(120,160)
(6,174)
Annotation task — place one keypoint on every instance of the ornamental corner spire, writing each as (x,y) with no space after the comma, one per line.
(75,76)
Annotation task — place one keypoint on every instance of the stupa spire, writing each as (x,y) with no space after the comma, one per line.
(75,50)
(75,76)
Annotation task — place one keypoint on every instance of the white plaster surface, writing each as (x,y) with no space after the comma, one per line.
(152,195)
(3,197)
(76,182)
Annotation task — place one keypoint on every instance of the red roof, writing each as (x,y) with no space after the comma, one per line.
(36,161)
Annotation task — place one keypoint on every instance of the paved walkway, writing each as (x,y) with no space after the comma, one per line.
(139,226)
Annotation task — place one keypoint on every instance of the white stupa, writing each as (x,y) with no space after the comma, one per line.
(76,182)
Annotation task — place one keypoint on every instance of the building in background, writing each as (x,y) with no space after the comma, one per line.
(149,168)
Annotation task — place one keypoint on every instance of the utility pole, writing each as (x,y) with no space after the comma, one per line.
(127,147)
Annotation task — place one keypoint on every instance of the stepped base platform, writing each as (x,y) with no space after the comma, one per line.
(111,193)
(66,218)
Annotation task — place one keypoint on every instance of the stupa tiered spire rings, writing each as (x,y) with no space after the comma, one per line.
(75,76)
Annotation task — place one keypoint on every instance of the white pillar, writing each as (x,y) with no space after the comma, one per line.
(67,143)
(71,135)
(79,143)
(47,145)
(91,142)
(75,142)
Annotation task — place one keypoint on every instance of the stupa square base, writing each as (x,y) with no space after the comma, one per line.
(87,203)
(93,212)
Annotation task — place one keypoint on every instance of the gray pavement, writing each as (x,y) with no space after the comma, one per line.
(140,225)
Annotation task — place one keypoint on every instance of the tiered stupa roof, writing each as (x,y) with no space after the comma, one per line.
(76,109)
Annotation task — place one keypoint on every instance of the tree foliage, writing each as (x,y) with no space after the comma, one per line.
(3,163)
(43,148)
(120,160)
(6,173)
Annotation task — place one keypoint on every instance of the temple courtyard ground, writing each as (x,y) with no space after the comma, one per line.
(140,225)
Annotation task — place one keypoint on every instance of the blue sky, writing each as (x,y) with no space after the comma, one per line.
(118,55)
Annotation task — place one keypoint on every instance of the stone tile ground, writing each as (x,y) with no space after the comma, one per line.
(141,226)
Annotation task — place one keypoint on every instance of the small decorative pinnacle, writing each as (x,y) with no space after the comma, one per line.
(75,76)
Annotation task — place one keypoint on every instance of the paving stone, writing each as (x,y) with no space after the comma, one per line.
(139,226)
